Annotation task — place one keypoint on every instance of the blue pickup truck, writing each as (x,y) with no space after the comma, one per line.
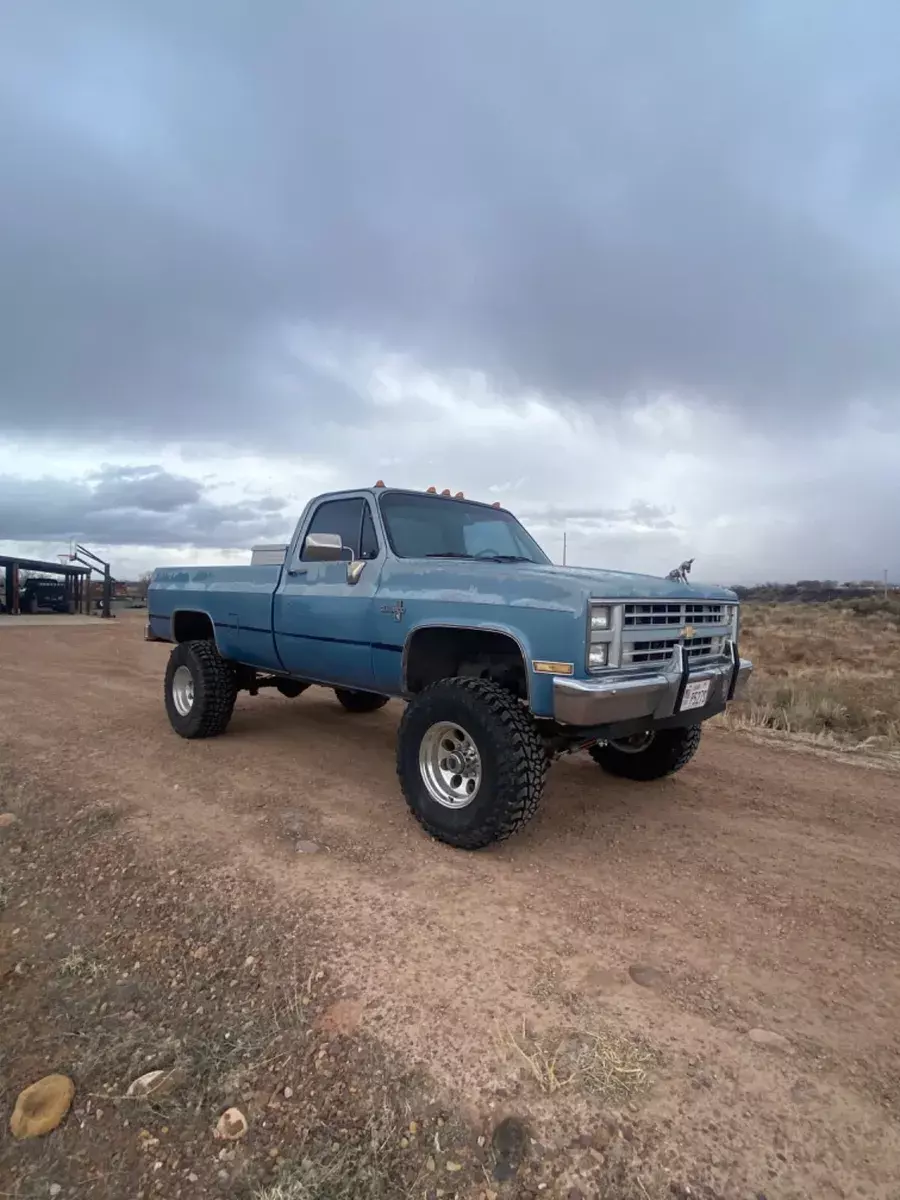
(505,661)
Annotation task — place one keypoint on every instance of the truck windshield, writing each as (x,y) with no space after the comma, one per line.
(433,527)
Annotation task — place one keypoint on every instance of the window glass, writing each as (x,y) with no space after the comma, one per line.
(339,516)
(369,542)
(490,537)
(421,526)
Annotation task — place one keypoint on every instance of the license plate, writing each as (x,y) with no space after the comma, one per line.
(695,694)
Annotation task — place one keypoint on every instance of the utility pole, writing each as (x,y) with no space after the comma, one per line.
(885,583)
(564,548)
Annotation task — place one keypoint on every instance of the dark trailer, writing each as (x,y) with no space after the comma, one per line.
(66,590)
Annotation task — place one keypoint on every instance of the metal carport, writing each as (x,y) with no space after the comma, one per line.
(74,577)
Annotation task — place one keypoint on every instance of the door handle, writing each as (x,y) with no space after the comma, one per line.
(298,570)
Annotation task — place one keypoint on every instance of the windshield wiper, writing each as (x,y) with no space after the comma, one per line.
(448,554)
(505,558)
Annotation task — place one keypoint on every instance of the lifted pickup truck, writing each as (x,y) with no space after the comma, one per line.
(505,660)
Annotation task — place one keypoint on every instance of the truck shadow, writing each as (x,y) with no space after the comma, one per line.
(580,801)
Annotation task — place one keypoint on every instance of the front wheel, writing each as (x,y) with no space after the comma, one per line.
(200,690)
(360,702)
(650,755)
(470,762)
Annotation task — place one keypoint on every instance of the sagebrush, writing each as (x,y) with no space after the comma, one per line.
(827,671)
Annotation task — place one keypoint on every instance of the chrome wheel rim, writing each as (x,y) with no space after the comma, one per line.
(183,691)
(636,744)
(450,765)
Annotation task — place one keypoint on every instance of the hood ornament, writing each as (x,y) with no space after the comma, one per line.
(680,574)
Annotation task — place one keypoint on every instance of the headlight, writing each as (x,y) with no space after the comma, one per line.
(597,656)
(599,619)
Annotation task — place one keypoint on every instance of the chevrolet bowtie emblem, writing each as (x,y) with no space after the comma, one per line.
(688,632)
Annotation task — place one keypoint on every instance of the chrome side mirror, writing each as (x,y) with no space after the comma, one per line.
(323,547)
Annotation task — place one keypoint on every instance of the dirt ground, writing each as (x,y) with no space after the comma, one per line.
(689,988)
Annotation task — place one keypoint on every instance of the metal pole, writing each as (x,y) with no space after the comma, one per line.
(564,548)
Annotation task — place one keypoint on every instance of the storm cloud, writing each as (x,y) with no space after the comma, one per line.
(216,217)
(596,200)
(133,506)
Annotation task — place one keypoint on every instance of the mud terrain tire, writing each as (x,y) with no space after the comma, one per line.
(202,707)
(511,761)
(668,751)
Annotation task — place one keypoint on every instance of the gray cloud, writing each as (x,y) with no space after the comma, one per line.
(637,515)
(150,488)
(595,199)
(133,506)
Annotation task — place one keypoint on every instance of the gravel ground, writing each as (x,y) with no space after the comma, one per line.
(686,988)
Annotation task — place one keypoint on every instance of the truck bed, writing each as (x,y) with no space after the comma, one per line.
(237,600)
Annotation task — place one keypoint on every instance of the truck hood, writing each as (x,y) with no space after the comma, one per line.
(623,585)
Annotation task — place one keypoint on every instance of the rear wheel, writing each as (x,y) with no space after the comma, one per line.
(200,690)
(360,702)
(470,762)
(650,755)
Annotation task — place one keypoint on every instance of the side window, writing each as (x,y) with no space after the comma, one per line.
(369,541)
(339,516)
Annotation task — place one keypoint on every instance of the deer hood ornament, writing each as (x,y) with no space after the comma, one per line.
(680,574)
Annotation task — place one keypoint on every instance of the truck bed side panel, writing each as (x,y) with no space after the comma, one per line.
(238,600)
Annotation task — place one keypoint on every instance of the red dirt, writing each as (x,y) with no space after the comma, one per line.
(762,884)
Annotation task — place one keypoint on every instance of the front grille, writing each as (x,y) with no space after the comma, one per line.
(660,650)
(677,613)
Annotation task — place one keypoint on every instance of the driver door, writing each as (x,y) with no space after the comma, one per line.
(322,619)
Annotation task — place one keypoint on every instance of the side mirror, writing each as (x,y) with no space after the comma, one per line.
(323,547)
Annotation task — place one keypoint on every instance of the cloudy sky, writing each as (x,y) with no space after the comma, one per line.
(632,268)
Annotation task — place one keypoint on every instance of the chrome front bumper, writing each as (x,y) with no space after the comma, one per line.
(618,696)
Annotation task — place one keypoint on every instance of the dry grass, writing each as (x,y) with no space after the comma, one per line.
(824,672)
(369,1167)
(601,1062)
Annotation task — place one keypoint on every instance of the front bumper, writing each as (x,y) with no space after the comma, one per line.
(625,696)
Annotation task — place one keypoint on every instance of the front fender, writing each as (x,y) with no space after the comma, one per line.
(539,684)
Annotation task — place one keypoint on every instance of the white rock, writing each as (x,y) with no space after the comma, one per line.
(144,1085)
(231,1125)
